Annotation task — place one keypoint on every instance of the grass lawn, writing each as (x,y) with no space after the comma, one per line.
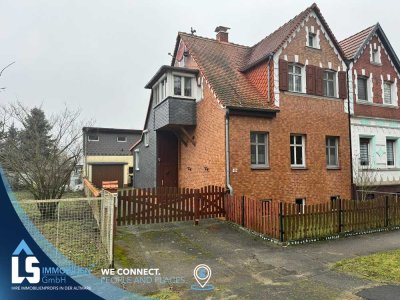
(381,266)
(74,233)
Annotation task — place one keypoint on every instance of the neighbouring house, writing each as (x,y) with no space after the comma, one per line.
(75,182)
(373,74)
(106,155)
(266,121)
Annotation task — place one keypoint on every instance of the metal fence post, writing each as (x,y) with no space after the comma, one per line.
(281,223)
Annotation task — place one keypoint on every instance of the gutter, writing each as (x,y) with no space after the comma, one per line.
(227,153)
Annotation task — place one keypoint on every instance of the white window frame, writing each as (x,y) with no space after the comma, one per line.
(124,141)
(303,146)
(328,155)
(393,141)
(257,143)
(137,160)
(146,138)
(312,37)
(183,81)
(368,151)
(325,83)
(388,84)
(291,72)
(366,89)
(93,140)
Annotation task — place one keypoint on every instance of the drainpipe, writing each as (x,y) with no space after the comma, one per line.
(349,121)
(269,76)
(227,153)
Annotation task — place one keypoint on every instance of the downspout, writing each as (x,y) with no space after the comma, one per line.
(269,76)
(350,138)
(227,153)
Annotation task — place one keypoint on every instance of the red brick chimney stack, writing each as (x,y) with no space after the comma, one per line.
(222,34)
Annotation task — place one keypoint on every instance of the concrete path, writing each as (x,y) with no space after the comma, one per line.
(247,267)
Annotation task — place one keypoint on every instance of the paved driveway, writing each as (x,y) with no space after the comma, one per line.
(243,266)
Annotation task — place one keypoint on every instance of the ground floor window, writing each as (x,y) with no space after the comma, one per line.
(300,203)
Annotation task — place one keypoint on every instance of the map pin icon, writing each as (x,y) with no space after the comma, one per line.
(202,274)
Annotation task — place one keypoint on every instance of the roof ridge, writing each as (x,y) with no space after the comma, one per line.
(280,27)
(353,35)
(212,40)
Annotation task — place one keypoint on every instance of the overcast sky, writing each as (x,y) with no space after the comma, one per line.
(98,55)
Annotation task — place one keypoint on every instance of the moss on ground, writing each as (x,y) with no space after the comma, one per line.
(381,266)
(165,294)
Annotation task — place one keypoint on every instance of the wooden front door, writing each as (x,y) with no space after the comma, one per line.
(110,172)
(167,159)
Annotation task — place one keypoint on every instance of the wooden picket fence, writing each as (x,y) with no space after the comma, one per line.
(287,222)
(156,205)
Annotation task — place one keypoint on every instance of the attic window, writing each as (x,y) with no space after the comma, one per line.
(121,139)
(182,86)
(311,40)
(375,56)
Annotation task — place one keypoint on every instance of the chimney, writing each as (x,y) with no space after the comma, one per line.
(222,34)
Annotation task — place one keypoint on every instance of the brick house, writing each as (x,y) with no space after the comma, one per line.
(267,121)
(373,74)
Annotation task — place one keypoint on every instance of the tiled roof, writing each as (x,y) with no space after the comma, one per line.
(220,63)
(224,64)
(354,43)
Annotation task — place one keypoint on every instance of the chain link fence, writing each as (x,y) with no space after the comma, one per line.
(81,229)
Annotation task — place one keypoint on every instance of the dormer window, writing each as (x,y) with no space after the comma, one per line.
(182,86)
(160,91)
(311,40)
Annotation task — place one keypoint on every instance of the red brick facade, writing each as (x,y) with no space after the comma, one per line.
(375,109)
(315,117)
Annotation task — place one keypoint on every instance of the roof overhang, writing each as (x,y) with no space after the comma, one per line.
(253,112)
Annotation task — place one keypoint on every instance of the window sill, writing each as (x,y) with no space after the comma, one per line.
(301,94)
(298,168)
(366,102)
(376,64)
(260,168)
(313,48)
(333,168)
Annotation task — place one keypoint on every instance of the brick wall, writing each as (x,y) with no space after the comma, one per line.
(209,152)
(377,70)
(316,119)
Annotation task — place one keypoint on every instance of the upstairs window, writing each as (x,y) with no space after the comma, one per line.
(182,86)
(258,149)
(329,84)
(364,151)
(160,91)
(387,92)
(311,40)
(297,150)
(362,88)
(137,160)
(332,152)
(121,139)
(146,138)
(93,138)
(390,152)
(375,56)
(295,78)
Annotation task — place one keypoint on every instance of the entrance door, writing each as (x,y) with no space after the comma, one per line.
(167,159)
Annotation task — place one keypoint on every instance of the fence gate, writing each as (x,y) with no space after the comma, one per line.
(156,205)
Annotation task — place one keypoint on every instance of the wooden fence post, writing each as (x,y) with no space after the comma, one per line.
(196,206)
(243,210)
(340,219)
(386,211)
(281,223)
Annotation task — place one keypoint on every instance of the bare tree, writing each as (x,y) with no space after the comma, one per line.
(365,178)
(45,152)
